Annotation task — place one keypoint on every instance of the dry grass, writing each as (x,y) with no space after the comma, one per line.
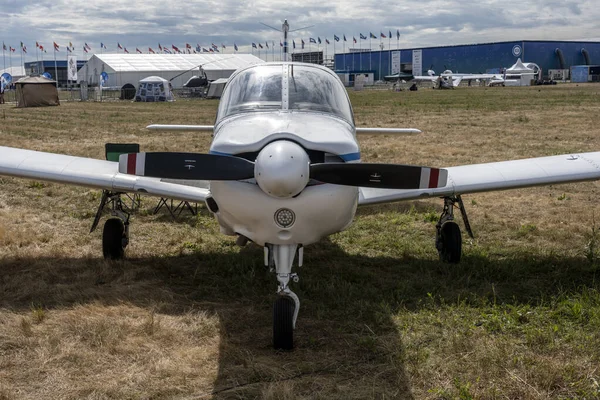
(188,315)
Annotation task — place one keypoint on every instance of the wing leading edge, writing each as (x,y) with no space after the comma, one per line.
(499,176)
(90,172)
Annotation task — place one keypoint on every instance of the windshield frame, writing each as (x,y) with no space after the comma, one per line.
(320,87)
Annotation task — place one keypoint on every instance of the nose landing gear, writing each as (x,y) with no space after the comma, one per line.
(287,304)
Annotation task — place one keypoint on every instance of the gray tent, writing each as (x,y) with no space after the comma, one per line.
(36,91)
(215,88)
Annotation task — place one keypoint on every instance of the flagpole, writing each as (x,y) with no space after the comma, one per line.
(55,68)
(3,55)
(370,58)
(360,51)
(380,51)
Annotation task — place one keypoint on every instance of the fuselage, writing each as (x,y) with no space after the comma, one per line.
(299,117)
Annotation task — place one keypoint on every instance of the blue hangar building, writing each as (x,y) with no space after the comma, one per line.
(471,58)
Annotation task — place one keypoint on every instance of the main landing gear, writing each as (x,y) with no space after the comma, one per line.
(115,234)
(285,309)
(448,239)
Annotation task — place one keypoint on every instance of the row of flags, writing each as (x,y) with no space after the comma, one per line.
(199,49)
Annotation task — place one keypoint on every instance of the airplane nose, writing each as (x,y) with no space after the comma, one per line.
(282,169)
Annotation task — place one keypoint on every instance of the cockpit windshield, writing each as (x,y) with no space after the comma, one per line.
(306,88)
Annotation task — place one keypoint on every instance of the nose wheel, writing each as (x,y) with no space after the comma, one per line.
(283,323)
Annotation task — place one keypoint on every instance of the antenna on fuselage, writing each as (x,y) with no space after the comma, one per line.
(285,28)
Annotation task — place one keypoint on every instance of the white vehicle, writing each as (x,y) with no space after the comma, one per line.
(284,171)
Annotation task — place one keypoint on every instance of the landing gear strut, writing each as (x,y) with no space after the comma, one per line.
(286,306)
(115,234)
(448,239)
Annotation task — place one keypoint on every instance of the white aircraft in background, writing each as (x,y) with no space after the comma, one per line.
(449,79)
(284,171)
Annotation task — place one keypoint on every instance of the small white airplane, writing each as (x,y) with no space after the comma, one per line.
(284,171)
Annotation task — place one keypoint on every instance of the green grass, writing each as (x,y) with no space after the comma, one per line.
(188,314)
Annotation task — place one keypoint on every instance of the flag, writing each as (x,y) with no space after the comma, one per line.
(362,36)
(204,50)
(102,46)
(42,48)
(125,50)
(398,34)
(150,50)
(214,46)
(326,40)
(138,50)
(198,48)
(294,43)
(217,50)
(223,46)
(211,50)
(36,45)
(372,36)
(3,46)
(254,45)
(175,48)
(337,38)
(235,47)
(383,35)
(165,50)
(56,47)
(390,35)
(345,38)
(267,44)
(354,39)
(319,40)
(68,49)
(302,40)
(85,49)
(159,47)
(260,45)
(119,46)
(21,44)
(312,40)
(24,49)
(11,49)
(71,45)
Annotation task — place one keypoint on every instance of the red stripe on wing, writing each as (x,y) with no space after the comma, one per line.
(131,159)
(434,175)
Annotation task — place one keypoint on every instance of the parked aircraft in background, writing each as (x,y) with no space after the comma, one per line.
(284,171)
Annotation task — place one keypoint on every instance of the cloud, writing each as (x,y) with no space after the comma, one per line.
(143,24)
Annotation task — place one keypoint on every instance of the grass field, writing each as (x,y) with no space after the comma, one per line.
(188,314)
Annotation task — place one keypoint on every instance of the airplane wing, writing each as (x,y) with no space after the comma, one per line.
(93,173)
(498,176)
(425,78)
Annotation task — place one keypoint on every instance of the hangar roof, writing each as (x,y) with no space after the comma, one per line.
(176,62)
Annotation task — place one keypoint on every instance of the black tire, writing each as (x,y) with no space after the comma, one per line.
(112,239)
(450,243)
(283,323)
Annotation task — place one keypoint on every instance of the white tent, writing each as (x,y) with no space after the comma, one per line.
(519,75)
(125,69)
(154,88)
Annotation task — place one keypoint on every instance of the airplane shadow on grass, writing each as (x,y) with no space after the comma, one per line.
(346,338)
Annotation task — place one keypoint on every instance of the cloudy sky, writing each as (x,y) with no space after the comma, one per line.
(143,24)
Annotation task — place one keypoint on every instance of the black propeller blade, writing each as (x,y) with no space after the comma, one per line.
(193,166)
(383,176)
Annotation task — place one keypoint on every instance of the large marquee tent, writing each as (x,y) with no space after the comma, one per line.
(123,69)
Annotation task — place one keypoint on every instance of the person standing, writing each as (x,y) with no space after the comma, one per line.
(2,92)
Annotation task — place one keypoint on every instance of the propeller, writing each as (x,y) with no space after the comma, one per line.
(276,168)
